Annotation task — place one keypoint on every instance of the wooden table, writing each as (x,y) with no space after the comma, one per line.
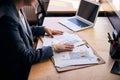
(63,6)
(97,38)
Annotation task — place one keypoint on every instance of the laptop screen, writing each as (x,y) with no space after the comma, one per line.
(88,10)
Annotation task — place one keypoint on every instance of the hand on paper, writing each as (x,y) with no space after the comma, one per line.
(52,32)
(62,47)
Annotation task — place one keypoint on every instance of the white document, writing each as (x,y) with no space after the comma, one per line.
(80,55)
(65,38)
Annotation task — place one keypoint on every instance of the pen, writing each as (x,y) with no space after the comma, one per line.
(113,42)
(110,38)
(80,45)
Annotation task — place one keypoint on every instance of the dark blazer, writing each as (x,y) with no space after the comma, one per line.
(16,45)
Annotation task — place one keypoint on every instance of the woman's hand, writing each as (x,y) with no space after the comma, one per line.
(62,47)
(52,32)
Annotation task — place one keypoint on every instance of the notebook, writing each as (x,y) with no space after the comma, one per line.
(85,16)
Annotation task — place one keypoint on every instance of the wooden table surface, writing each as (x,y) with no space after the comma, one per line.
(64,6)
(97,38)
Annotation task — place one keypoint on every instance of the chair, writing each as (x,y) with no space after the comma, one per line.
(35,13)
(41,13)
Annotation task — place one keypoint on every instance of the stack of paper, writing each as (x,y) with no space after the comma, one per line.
(66,37)
(81,54)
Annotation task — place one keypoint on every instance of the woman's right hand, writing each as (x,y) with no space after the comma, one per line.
(62,47)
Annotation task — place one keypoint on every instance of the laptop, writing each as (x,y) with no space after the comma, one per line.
(85,16)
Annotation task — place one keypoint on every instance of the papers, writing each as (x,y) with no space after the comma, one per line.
(66,37)
(81,54)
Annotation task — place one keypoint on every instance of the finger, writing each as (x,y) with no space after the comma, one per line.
(58,32)
(68,44)
(69,48)
(50,34)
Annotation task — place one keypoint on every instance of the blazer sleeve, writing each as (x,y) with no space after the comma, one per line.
(37,30)
(16,43)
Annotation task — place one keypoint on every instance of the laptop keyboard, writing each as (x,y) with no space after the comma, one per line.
(78,22)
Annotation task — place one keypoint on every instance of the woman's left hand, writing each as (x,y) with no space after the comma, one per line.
(52,32)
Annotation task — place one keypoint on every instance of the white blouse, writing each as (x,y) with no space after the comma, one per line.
(23,20)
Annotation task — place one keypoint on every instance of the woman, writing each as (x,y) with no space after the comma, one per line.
(16,41)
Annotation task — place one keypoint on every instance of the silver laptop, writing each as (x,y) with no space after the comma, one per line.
(85,16)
